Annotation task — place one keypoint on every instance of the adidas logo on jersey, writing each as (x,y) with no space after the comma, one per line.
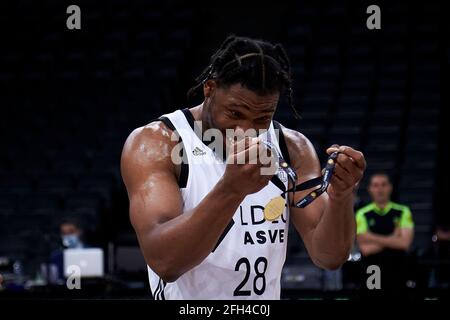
(198,152)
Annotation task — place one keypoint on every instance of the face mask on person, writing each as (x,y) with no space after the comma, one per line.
(71,241)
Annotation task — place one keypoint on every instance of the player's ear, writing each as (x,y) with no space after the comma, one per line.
(208,88)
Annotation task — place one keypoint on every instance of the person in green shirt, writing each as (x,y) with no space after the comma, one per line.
(385,231)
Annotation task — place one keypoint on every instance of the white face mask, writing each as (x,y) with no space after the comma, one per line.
(71,241)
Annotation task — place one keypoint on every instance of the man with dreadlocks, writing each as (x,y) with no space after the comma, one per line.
(202,226)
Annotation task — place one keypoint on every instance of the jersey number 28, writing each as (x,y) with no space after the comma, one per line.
(260,274)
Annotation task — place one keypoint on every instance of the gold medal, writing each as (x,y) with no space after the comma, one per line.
(274,208)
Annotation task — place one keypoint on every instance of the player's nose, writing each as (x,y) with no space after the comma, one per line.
(245,130)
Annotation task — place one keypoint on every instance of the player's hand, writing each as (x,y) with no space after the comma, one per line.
(349,170)
(247,169)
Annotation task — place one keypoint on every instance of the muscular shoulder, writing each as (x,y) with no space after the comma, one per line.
(149,146)
(301,151)
(151,142)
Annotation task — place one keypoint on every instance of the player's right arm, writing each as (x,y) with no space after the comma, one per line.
(173,241)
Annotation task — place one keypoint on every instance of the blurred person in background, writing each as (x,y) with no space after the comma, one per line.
(385,231)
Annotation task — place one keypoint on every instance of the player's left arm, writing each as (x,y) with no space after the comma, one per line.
(327,226)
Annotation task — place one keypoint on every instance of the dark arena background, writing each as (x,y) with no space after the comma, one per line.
(69,99)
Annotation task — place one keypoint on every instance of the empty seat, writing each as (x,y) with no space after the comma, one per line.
(414,164)
(317,103)
(8,200)
(71,167)
(408,197)
(15,184)
(345,135)
(385,150)
(377,164)
(13,248)
(414,180)
(353,103)
(99,184)
(89,217)
(129,260)
(56,184)
(80,200)
(34,201)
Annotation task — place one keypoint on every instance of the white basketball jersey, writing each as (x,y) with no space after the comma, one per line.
(248,259)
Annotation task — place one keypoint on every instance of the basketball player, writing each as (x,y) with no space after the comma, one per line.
(201,227)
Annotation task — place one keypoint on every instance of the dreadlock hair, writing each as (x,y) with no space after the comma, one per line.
(257,65)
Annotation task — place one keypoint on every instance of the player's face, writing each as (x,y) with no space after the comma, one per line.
(380,188)
(236,107)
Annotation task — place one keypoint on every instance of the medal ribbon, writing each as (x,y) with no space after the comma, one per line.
(322,181)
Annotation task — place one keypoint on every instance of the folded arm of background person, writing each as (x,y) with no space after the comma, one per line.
(173,240)
(401,239)
(327,225)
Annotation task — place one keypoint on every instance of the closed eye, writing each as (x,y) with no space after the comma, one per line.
(263,119)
